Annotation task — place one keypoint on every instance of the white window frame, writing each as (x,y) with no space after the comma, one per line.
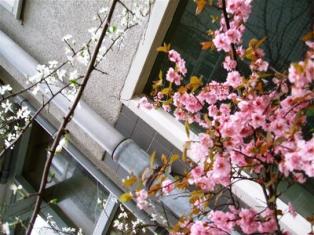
(160,19)
(13,6)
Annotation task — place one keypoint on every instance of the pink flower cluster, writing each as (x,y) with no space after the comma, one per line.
(300,159)
(219,175)
(175,75)
(247,219)
(167,186)
(141,199)
(301,75)
(226,36)
(245,127)
(187,101)
(144,103)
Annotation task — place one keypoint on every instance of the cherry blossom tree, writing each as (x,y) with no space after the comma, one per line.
(249,127)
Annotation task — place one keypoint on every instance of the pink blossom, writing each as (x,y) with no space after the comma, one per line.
(180,114)
(141,199)
(293,161)
(191,103)
(247,221)
(260,103)
(198,152)
(278,126)
(269,225)
(205,140)
(291,210)
(301,77)
(299,177)
(223,220)
(259,65)
(167,186)
(240,8)
(181,67)
(197,172)
(222,43)
(234,79)
(221,170)
(233,35)
(229,64)
(144,103)
(173,76)
(174,56)
(258,120)
(238,159)
(198,228)
(205,183)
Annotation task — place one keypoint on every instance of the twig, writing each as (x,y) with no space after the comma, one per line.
(225,14)
(66,120)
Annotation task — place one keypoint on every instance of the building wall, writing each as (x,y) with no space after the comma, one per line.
(45,22)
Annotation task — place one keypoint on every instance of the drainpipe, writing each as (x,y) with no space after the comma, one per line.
(86,118)
(125,152)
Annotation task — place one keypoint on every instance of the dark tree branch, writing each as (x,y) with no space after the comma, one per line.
(66,120)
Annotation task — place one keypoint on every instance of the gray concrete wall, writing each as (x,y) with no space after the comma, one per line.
(45,22)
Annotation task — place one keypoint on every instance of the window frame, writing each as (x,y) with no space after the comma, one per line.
(106,217)
(165,124)
(14,7)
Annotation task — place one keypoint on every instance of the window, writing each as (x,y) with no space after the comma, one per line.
(13,6)
(77,194)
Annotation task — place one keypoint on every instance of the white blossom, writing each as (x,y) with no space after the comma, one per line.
(117,224)
(6,228)
(53,64)
(23,113)
(15,188)
(74,75)
(61,74)
(4,89)
(67,37)
(103,10)
(7,106)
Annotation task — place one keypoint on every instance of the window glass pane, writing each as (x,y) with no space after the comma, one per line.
(76,192)
(76,195)
(282,22)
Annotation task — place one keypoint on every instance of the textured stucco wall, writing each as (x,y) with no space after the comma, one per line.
(45,22)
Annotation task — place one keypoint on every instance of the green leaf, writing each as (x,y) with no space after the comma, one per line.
(166,91)
(54,201)
(164,48)
(152,160)
(174,158)
(187,128)
(112,29)
(129,181)
(164,159)
(125,197)
(310,111)
(195,83)
(74,81)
